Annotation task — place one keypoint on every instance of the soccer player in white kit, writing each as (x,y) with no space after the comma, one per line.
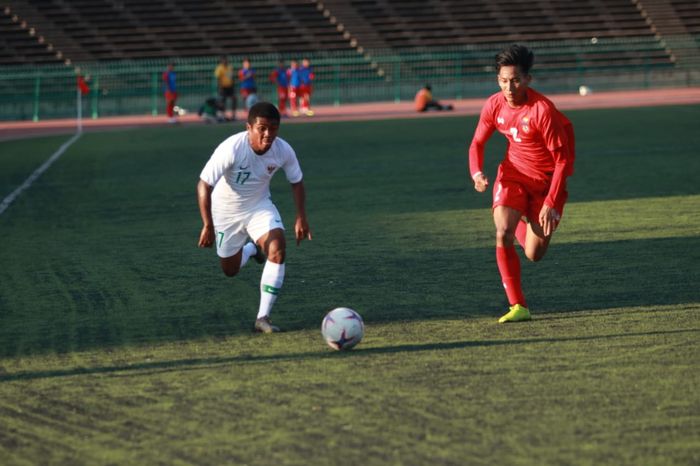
(233,194)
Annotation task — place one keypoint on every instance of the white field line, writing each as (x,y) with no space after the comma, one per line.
(37,173)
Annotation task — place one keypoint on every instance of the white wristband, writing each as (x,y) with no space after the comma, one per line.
(475,175)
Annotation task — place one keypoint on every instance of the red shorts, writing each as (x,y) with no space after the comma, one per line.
(305,89)
(170,96)
(524,194)
(245,92)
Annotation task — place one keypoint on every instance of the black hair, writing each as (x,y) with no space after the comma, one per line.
(516,55)
(263,110)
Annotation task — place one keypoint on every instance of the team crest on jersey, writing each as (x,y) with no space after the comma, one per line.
(271,168)
(500,120)
(525,126)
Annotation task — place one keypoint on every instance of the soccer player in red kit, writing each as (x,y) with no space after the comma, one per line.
(530,187)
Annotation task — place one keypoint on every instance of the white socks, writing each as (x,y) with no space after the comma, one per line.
(249,251)
(270,284)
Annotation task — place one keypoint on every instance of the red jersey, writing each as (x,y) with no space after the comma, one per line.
(83,86)
(540,140)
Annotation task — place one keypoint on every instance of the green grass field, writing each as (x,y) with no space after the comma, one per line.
(122,343)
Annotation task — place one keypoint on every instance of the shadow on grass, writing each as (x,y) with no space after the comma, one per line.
(410,285)
(194,363)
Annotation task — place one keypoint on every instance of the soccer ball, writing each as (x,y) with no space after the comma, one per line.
(342,328)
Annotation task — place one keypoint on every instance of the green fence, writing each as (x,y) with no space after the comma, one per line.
(134,87)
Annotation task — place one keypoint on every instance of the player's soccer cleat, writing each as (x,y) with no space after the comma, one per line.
(517,313)
(264,325)
(309,113)
(259,254)
(295,113)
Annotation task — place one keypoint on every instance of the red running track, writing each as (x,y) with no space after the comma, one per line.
(365,111)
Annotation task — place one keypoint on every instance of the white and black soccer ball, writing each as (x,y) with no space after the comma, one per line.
(342,328)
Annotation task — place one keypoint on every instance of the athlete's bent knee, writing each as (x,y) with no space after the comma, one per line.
(535,254)
(230,270)
(275,246)
(276,253)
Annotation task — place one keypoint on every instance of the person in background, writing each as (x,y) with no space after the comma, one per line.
(307,78)
(530,187)
(170,87)
(246,77)
(280,76)
(424,101)
(294,86)
(225,84)
(82,83)
(212,111)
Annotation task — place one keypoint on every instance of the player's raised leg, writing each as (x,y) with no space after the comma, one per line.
(506,220)
(536,243)
(521,232)
(274,245)
(537,239)
(232,265)
(233,248)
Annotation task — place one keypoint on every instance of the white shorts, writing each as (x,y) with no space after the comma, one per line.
(232,231)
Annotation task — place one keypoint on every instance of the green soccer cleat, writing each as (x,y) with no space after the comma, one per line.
(517,313)
(264,325)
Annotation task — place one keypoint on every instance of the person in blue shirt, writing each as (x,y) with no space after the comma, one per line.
(307,78)
(170,88)
(246,76)
(280,76)
(294,86)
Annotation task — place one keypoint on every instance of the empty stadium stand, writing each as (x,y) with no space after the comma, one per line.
(677,23)
(119,29)
(51,31)
(418,23)
(21,44)
(688,12)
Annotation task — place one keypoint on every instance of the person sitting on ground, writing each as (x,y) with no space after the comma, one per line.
(424,101)
(212,111)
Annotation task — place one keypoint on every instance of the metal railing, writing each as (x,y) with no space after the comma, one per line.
(134,87)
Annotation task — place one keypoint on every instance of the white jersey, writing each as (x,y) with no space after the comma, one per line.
(241,178)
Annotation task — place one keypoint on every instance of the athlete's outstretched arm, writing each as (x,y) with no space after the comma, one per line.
(301,224)
(483,132)
(206,237)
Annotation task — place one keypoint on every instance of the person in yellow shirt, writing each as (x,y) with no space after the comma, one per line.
(224,78)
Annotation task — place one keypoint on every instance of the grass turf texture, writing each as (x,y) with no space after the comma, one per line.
(121,342)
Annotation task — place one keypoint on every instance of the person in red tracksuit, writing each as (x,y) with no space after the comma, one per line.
(529,191)
(295,90)
(307,78)
(280,76)
(170,92)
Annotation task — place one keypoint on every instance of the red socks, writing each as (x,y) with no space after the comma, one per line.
(509,267)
